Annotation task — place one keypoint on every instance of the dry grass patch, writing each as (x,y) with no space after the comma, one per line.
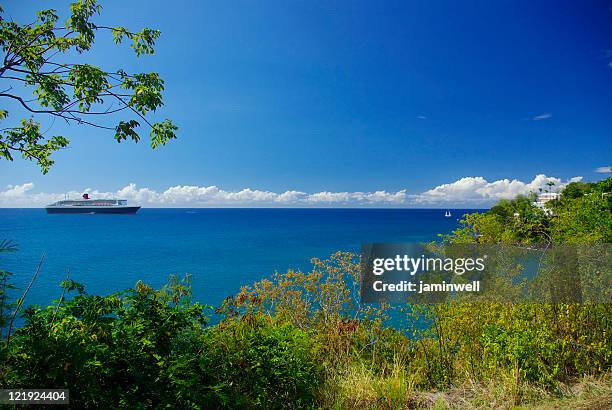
(501,393)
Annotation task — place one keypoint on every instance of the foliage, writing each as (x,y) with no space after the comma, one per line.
(6,304)
(584,213)
(41,60)
(536,343)
(251,362)
(5,285)
(325,300)
(540,343)
(107,350)
(146,347)
(507,222)
(324,296)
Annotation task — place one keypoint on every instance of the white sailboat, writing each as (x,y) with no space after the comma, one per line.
(448,214)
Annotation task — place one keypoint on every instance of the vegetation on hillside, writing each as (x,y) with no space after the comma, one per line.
(304,339)
(581,215)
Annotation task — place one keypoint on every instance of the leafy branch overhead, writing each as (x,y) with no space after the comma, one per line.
(37,79)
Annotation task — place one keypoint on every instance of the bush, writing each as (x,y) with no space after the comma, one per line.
(107,350)
(542,344)
(147,347)
(252,362)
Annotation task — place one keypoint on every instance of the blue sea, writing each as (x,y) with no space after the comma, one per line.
(222,249)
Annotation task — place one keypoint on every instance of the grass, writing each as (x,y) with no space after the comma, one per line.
(589,393)
(359,388)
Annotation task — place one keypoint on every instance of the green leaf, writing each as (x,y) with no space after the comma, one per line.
(125,130)
(162,132)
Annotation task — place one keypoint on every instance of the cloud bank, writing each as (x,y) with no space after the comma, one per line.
(468,192)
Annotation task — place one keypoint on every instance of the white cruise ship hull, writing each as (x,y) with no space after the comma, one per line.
(92,209)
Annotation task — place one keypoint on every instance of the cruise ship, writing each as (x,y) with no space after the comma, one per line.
(91,206)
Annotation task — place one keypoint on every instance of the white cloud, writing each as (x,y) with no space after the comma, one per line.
(291,197)
(16,191)
(477,190)
(603,170)
(544,116)
(421,117)
(329,197)
(465,191)
(204,196)
(359,198)
(398,197)
(15,196)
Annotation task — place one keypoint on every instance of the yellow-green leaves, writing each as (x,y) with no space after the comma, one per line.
(31,144)
(125,130)
(162,132)
(146,91)
(143,42)
(78,22)
(49,90)
(88,82)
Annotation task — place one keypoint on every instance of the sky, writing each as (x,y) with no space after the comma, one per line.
(345,103)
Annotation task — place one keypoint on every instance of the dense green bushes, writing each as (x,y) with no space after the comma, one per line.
(253,362)
(106,350)
(540,344)
(145,347)
(443,344)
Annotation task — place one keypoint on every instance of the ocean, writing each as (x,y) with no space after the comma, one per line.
(222,249)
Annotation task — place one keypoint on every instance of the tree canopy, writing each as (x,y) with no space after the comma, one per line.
(37,74)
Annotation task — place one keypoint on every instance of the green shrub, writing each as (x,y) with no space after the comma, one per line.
(147,347)
(107,350)
(253,362)
(531,351)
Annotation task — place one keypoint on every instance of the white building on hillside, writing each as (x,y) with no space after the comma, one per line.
(544,197)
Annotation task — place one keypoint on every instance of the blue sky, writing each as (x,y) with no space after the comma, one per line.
(351,96)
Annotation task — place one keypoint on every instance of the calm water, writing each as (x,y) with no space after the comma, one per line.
(222,248)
